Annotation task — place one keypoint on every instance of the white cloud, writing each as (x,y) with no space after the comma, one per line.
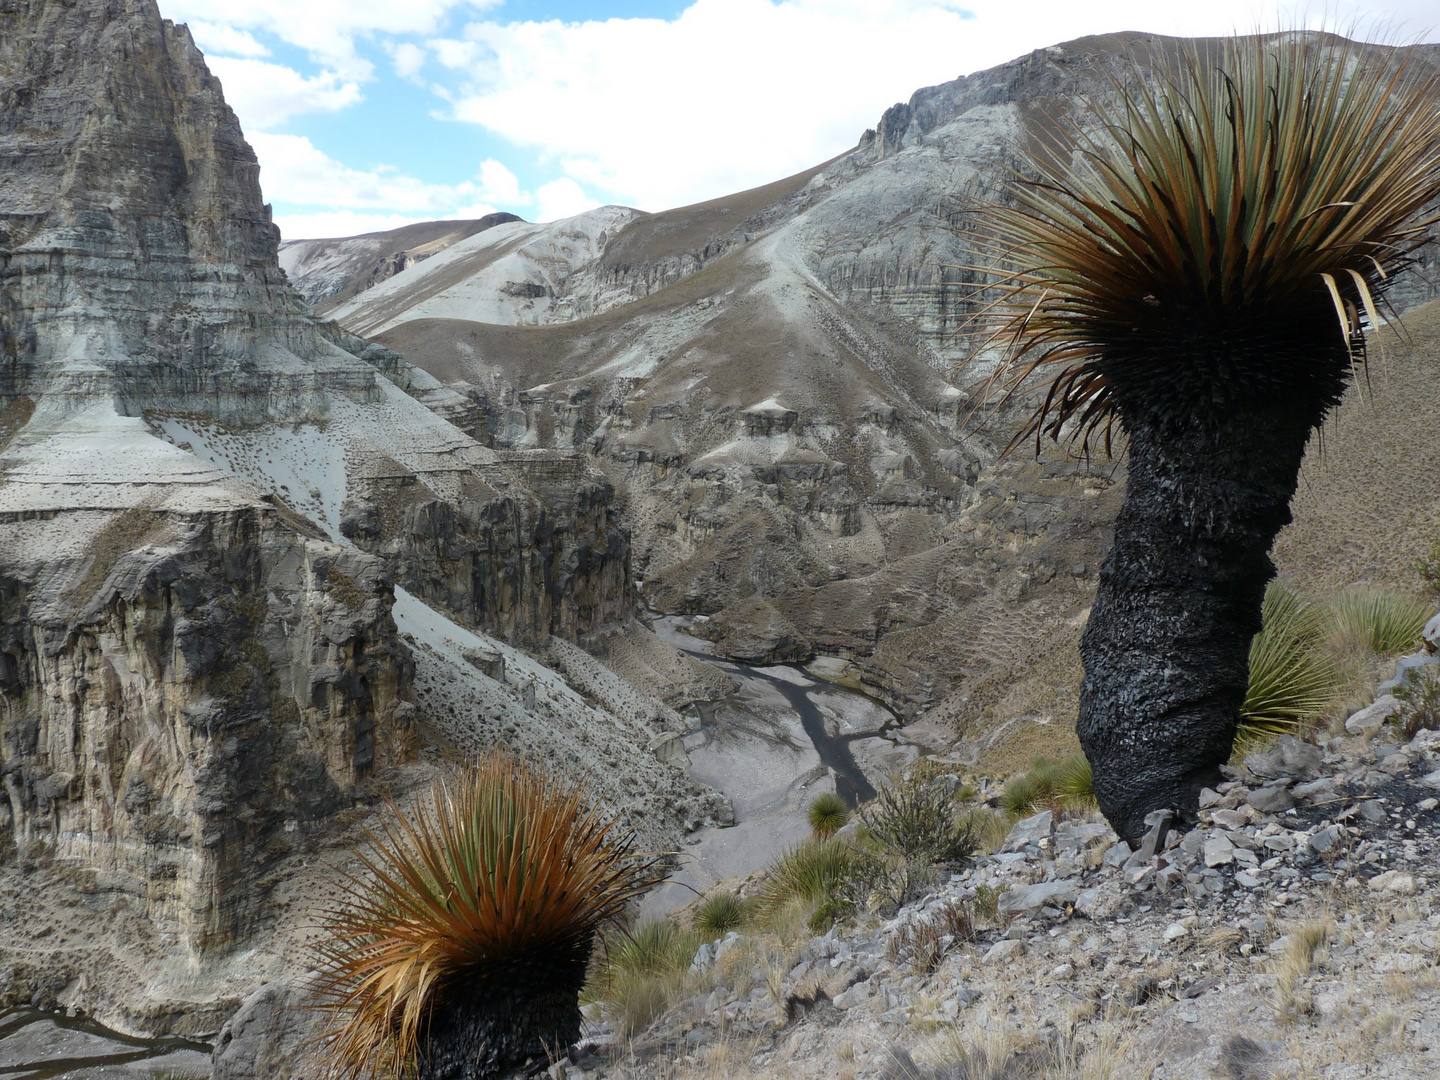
(335,223)
(561,199)
(265,94)
(327,29)
(734,93)
(216,38)
(324,197)
(408,58)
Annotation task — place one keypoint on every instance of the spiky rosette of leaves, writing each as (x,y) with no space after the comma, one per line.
(495,880)
(1217,235)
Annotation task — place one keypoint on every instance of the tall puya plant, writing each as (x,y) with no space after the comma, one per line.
(1196,264)
(458,951)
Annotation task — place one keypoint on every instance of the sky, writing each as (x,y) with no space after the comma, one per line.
(371,114)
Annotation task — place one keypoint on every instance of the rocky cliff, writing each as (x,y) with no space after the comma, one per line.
(214,509)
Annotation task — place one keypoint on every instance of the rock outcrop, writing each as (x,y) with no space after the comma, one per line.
(214,509)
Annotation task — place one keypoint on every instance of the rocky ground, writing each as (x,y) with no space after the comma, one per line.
(1293,932)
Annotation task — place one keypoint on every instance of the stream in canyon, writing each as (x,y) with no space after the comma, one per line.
(783,736)
(37,1045)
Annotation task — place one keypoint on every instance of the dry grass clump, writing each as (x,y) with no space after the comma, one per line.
(924,943)
(1060,786)
(481,903)
(1001,1055)
(644,971)
(1302,952)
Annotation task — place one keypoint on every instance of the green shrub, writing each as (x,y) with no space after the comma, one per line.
(919,821)
(1383,622)
(1050,785)
(987,901)
(827,814)
(719,913)
(1292,676)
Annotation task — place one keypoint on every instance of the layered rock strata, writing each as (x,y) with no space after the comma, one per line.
(214,509)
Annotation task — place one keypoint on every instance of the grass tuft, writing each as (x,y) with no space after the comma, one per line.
(1382,622)
(1051,785)
(827,814)
(719,913)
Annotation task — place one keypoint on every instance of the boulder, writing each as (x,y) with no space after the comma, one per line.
(1026,899)
(274,1036)
(1373,715)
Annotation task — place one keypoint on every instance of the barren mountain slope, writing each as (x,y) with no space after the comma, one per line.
(328,272)
(780,405)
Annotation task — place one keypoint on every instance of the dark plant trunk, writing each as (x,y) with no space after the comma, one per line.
(1167,648)
(491,1028)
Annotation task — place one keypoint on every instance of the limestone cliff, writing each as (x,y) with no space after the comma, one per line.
(210,502)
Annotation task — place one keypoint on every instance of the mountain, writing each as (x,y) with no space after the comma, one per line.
(780,386)
(250,577)
(329,272)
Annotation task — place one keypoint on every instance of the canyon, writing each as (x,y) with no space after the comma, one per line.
(285,529)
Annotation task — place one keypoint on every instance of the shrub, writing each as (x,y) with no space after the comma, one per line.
(827,814)
(1421,702)
(919,821)
(1051,785)
(1383,622)
(719,913)
(1428,567)
(472,921)
(987,901)
(1292,679)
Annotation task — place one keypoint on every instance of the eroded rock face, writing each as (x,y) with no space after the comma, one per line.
(209,502)
(186,694)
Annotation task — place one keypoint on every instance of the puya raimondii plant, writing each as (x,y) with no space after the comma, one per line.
(1193,267)
(459,949)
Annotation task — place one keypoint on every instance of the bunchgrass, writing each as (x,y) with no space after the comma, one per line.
(503,873)
(644,970)
(810,874)
(1050,785)
(1293,677)
(827,814)
(719,913)
(1382,622)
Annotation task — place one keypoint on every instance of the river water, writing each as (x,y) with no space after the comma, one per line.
(785,735)
(38,1046)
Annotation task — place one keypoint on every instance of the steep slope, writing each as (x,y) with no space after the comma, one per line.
(780,386)
(329,272)
(214,511)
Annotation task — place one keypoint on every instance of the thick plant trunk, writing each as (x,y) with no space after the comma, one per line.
(489,1029)
(1166,650)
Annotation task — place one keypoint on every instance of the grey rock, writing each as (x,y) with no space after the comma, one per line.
(1273,799)
(1290,758)
(1405,668)
(1026,899)
(1431,780)
(1029,830)
(1219,851)
(1099,903)
(1158,823)
(1117,855)
(1373,715)
(273,1036)
(1321,790)
(1002,952)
